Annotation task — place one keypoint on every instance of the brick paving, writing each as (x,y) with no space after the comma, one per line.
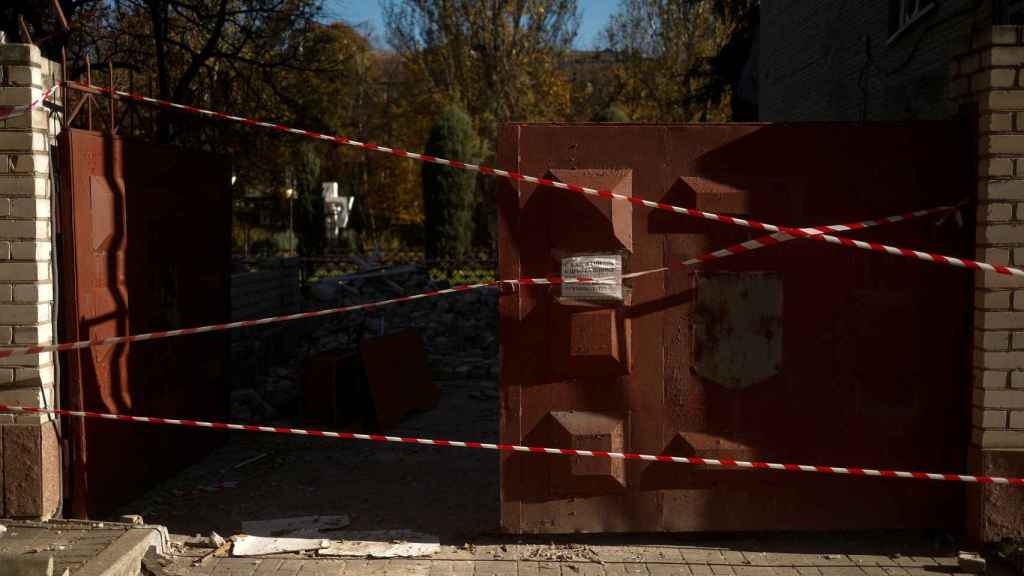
(71,543)
(776,556)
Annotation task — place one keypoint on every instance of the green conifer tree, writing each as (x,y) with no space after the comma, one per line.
(448,193)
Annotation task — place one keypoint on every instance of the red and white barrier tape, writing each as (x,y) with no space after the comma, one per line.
(749,245)
(780,237)
(810,232)
(551,280)
(725,463)
(410,257)
(813,233)
(6,352)
(8,112)
(341,139)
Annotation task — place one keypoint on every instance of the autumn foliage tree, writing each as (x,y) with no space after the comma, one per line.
(496,60)
(500,59)
(665,53)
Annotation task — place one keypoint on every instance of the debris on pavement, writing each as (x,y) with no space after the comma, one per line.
(196,541)
(246,462)
(133,519)
(384,544)
(249,405)
(153,564)
(297,527)
(971,562)
(564,553)
(48,548)
(220,551)
(245,545)
(217,540)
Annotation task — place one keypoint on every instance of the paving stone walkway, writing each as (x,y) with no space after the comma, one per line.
(795,555)
(72,544)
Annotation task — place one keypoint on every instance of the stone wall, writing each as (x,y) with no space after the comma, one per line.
(29,450)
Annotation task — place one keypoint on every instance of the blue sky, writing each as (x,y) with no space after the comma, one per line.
(593,16)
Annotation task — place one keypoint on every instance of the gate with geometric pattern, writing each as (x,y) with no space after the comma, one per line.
(804,352)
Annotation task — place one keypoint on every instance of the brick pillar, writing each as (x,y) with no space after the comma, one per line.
(29,450)
(989,74)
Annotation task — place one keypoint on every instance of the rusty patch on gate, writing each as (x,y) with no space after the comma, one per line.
(737,328)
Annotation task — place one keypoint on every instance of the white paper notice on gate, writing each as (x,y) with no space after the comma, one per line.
(604,269)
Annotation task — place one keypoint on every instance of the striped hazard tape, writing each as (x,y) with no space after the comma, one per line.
(743,247)
(8,112)
(780,237)
(811,233)
(6,352)
(725,463)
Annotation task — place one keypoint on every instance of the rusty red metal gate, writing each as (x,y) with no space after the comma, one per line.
(804,352)
(145,246)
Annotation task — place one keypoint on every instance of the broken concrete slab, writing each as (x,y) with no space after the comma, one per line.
(124,556)
(297,527)
(246,545)
(384,544)
(971,562)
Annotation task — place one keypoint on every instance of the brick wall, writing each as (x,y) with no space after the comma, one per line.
(989,74)
(29,454)
(832,60)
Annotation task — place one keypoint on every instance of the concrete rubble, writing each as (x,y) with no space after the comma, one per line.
(384,544)
(459,333)
(310,534)
(245,545)
(971,562)
(449,324)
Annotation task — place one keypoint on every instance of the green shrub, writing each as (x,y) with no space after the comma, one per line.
(612,113)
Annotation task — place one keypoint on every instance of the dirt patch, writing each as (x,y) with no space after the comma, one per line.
(445,491)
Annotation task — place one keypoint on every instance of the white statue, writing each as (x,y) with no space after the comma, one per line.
(338,209)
